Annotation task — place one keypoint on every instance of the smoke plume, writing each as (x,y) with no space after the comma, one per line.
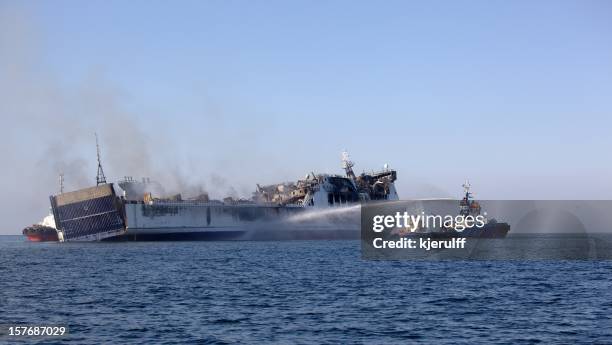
(50,125)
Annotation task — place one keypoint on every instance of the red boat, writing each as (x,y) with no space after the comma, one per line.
(43,231)
(40,233)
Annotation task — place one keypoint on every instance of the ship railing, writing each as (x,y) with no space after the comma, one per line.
(378,172)
(194,203)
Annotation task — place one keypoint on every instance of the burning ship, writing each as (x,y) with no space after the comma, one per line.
(318,206)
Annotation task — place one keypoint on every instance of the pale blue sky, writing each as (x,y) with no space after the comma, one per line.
(515,95)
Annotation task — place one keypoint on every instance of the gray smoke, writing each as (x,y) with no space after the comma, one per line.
(49,129)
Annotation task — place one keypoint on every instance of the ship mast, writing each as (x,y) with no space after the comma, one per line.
(61,183)
(466,188)
(100,178)
(464,205)
(347,165)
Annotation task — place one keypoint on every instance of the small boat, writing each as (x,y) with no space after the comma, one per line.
(42,232)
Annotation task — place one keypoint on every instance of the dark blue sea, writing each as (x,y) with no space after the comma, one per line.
(295,292)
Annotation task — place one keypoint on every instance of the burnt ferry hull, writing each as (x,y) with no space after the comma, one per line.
(320,206)
(212,221)
(242,235)
(194,220)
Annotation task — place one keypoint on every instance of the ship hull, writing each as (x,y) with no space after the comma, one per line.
(42,238)
(240,235)
(490,230)
(206,221)
(40,233)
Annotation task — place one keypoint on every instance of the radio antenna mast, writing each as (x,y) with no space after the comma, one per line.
(100,178)
(61,182)
(466,188)
(347,165)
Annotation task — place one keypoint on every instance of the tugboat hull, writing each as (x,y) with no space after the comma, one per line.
(40,233)
(490,230)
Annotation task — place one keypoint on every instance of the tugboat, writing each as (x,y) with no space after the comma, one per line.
(470,207)
(46,230)
(42,232)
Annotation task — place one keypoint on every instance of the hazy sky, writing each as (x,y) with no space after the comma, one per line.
(514,95)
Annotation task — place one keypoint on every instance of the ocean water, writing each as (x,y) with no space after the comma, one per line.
(304,292)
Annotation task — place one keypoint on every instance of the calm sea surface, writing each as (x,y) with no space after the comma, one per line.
(295,292)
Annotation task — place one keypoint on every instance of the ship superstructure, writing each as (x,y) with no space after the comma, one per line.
(325,190)
(468,206)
